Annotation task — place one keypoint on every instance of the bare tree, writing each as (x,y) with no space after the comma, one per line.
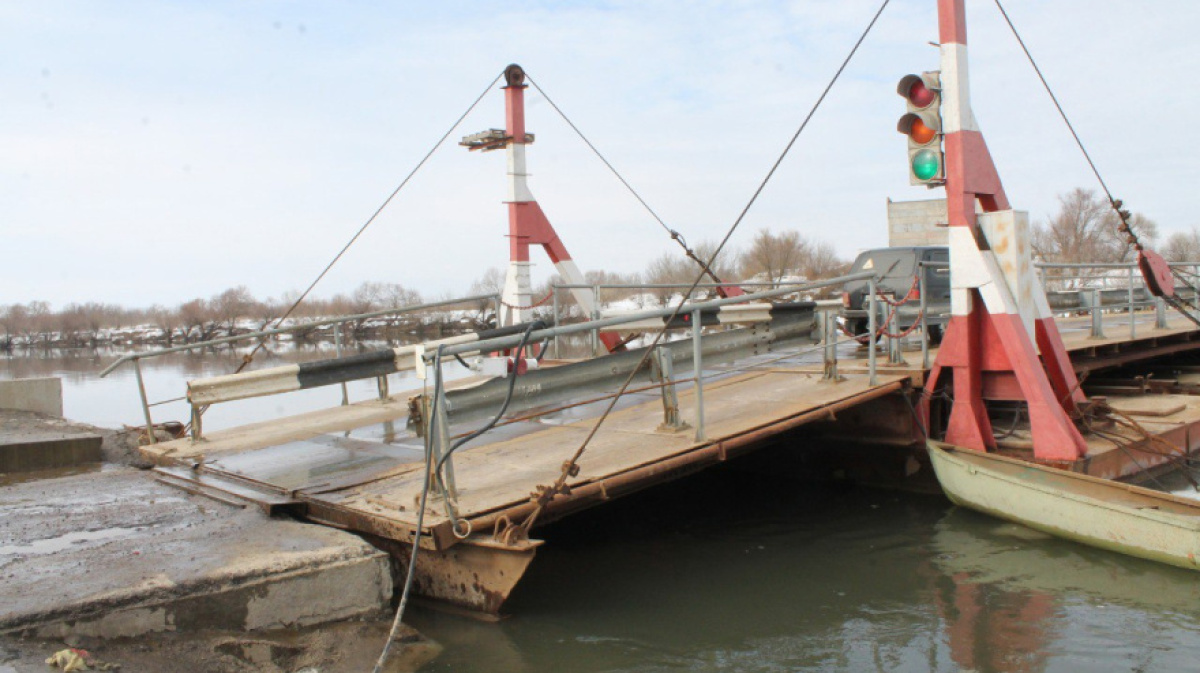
(822,261)
(773,256)
(231,305)
(196,318)
(1183,246)
(1085,229)
(669,268)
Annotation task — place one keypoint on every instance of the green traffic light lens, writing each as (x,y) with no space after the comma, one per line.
(925,164)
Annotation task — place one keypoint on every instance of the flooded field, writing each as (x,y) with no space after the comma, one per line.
(736,570)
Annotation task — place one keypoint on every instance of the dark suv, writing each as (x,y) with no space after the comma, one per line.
(896,273)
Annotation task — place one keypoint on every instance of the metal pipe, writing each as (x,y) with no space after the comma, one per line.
(872,308)
(1097,316)
(337,345)
(654,286)
(554,293)
(294,328)
(1132,317)
(595,316)
(1101,265)
(698,374)
(538,335)
(137,368)
(924,319)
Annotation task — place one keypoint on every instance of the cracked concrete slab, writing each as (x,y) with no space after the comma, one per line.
(116,554)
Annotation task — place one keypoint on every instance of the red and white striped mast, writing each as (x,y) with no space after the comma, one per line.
(1000,319)
(527,224)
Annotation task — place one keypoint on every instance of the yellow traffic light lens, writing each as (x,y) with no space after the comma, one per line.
(925,164)
(920,133)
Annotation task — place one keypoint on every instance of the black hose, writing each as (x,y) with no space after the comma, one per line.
(416,541)
(512,385)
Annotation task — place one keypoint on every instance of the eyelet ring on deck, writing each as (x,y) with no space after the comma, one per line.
(455,529)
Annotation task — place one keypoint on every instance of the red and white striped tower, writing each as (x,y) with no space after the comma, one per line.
(998,308)
(527,224)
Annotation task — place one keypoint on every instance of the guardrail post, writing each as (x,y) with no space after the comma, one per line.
(554,292)
(829,335)
(1097,315)
(925,318)
(137,368)
(438,432)
(664,371)
(382,383)
(595,316)
(873,307)
(197,424)
(1160,313)
(1132,315)
(337,346)
(698,373)
(895,357)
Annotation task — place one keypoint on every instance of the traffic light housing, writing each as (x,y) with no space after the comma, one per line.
(922,124)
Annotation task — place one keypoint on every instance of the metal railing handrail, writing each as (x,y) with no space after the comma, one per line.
(336,320)
(1100,265)
(636,286)
(500,343)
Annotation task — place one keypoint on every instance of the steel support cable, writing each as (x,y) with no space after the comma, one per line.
(571,466)
(675,235)
(370,220)
(1117,205)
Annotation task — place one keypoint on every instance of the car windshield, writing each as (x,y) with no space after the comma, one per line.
(887,263)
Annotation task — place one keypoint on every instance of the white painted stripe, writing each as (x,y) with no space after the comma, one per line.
(518,187)
(257,383)
(571,275)
(956,90)
(744,313)
(975,269)
(518,291)
(1007,232)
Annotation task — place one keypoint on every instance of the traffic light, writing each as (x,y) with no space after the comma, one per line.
(923,126)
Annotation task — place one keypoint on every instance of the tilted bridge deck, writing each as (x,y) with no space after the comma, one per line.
(312,461)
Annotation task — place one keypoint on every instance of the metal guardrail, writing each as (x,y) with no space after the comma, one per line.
(336,322)
(437,425)
(1096,297)
(596,302)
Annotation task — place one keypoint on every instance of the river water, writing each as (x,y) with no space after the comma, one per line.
(734,570)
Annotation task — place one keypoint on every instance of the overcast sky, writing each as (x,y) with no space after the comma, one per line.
(160,151)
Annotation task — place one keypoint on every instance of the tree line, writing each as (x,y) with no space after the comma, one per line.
(1084,229)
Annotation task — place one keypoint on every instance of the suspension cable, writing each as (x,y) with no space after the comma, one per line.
(1116,204)
(674,234)
(1175,301)
(375,215)
(571,466)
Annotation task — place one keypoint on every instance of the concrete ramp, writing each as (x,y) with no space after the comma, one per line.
(117,554)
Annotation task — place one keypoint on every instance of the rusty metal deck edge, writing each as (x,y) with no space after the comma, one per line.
(592,493)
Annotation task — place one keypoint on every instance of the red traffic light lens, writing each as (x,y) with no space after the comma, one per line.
(919,94)
(920,133)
